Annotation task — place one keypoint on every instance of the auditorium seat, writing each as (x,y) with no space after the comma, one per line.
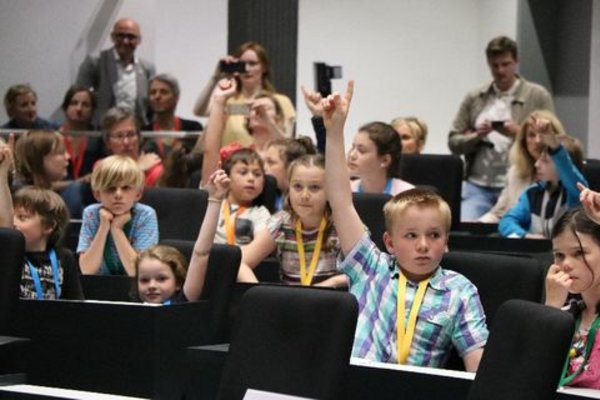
(290,340)
(441,171)
(591,171)
(179,211)
(369,207)
(12,249)
(525,353)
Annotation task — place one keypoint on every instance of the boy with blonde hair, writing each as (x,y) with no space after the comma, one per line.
(117,228)
(411,311)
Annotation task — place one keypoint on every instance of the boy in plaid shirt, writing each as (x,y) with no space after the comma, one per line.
(411,310)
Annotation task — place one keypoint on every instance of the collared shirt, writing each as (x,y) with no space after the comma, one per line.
(126,86)
(451,314)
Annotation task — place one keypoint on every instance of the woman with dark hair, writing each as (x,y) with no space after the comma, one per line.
(78,105)
(576,271)
(375,159)
(254,80)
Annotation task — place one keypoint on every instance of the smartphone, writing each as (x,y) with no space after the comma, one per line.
(238,109)
(497,125)
(230,68)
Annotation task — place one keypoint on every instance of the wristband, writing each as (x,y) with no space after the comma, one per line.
(215,200)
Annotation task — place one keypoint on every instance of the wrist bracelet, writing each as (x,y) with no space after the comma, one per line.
(215,200)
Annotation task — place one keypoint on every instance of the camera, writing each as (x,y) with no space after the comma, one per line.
(323,75)
(230,68)
(497,125)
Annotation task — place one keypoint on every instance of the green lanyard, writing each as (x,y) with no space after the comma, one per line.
(116,267)
(565,380)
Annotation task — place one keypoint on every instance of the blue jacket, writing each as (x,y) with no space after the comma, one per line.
(538,209)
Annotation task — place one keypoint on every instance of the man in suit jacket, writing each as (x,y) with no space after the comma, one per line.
(118,77)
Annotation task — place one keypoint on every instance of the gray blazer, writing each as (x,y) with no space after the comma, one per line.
(100,73)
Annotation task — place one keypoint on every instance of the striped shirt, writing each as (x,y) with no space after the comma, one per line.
(451,314)
(283,232)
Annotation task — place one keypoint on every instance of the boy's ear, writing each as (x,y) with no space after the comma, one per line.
(139,193)
(389,244)
(49,228)
(96,195)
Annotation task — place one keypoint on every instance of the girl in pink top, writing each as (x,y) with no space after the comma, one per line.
(576,270)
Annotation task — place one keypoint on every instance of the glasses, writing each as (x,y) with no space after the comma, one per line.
(120,137)
(122,36)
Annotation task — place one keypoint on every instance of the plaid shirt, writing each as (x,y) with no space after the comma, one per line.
(450,315)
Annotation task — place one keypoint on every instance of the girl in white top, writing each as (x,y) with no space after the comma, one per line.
(375,160)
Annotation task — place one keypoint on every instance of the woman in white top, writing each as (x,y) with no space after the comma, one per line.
(375,160)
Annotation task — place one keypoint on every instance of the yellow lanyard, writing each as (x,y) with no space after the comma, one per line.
(307,276)
(230,221)
(405,333)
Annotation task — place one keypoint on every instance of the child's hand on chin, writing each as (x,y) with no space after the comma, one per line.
(119,221)
(106,216)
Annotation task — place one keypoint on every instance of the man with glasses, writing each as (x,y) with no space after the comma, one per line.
(118,77)
(122,137)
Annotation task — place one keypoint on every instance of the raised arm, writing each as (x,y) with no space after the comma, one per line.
(217,187)
(6,210)
(590,200)
(214,128)
(347,222)
(203,104)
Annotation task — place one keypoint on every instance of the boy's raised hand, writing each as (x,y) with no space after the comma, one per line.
(218,185)
(225,89)
(336,107)
(558,283)
(590,200)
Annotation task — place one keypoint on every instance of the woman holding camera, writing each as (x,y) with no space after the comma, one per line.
(250,66)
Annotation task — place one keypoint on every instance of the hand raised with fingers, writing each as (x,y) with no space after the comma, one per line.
(225,89)
(6,159)
(590,200)
(218,185)
(313,101)
(336,107)
(557,285)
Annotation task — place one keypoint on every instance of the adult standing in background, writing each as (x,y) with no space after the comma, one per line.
(253,81)
(488,121)
(163,98)
(118,77)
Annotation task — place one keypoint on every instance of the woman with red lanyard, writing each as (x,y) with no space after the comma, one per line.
(83,149)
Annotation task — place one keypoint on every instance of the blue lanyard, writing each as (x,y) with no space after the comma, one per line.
(36,277)
(279,202)
(387,190)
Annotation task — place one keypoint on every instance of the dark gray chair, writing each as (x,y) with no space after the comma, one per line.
(291,340)
(179,211)
(525,353)
(369,207)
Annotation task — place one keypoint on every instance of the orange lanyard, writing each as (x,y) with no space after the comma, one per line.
(405,332)
(230,221)
(307,276)
(159,141)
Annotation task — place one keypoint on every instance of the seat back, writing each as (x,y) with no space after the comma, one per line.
(498,278)
(12,249)
(591,171)
(443,172)
(525,353)
(179,211)
(221,274)
(369,207)
(290,340)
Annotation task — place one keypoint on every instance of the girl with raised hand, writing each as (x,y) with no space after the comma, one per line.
(160,270)
(576,271)
(303,235)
